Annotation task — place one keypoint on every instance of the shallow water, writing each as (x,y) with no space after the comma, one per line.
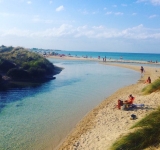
(40,117)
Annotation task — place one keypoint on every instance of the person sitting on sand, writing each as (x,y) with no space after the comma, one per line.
(148,80)
(126,103)
(129,101)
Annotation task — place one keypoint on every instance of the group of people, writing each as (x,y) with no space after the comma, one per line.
(148,79)
(126,104)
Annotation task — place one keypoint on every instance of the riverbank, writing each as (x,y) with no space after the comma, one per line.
(104,124)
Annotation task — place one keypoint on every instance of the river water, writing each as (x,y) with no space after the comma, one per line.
(37,118)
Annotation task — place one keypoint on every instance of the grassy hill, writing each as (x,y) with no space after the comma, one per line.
(19,64)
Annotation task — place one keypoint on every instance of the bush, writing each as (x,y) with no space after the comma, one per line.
(39,64)
(18,74)
(152,87)
(37,72)
(6,65)
(147,134)
(25,66)
(0,78)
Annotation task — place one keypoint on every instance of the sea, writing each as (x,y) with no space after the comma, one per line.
(40,117)
(148,57)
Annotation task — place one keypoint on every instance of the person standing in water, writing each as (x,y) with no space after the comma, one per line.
(142,69)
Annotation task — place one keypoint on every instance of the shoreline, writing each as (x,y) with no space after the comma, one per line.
(104,124)
(100,60)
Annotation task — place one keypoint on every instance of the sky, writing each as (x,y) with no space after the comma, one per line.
(82,25)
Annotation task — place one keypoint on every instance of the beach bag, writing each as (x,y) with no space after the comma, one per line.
(133,117)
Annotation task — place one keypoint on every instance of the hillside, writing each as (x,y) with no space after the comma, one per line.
(21,65)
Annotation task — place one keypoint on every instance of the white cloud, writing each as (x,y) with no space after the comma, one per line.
(152,16)
(155,2)
(84,32)
(50,2)
(15,32)
(115,13)
(37,19)
(4,14)
(114,5)
(133,14)
(108,13)
(98,27)
(118,13)
(95,12)
(140,32)
(63,30)
(139,1)
(29,2)
(60,8)
(85,12)
(124,5)
(99,32)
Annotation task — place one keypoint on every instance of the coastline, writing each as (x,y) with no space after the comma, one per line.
(105,123)
(100,60)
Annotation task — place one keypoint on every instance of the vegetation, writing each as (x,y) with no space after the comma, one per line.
(19,64)
(146,132)
(146,135)
(152,87)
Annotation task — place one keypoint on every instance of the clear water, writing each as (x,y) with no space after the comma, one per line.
(39,118)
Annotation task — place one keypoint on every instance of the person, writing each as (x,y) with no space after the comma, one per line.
(148,80)
(120,103)
(128,102)
(142,69)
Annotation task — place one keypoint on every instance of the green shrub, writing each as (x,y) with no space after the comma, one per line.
(25,66)
(146,134)
(37,72)
(0,78)
(18,74)
(6,65)
(152,87)
(25,62)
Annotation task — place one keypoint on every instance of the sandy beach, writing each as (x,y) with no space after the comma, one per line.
(99,129)
(66,57)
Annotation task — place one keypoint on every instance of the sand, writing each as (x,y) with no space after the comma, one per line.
(99,60)
(99,129)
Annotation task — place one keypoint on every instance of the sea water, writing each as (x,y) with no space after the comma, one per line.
(114,55)
(38,118)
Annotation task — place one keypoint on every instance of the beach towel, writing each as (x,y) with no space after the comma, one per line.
(137,105)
